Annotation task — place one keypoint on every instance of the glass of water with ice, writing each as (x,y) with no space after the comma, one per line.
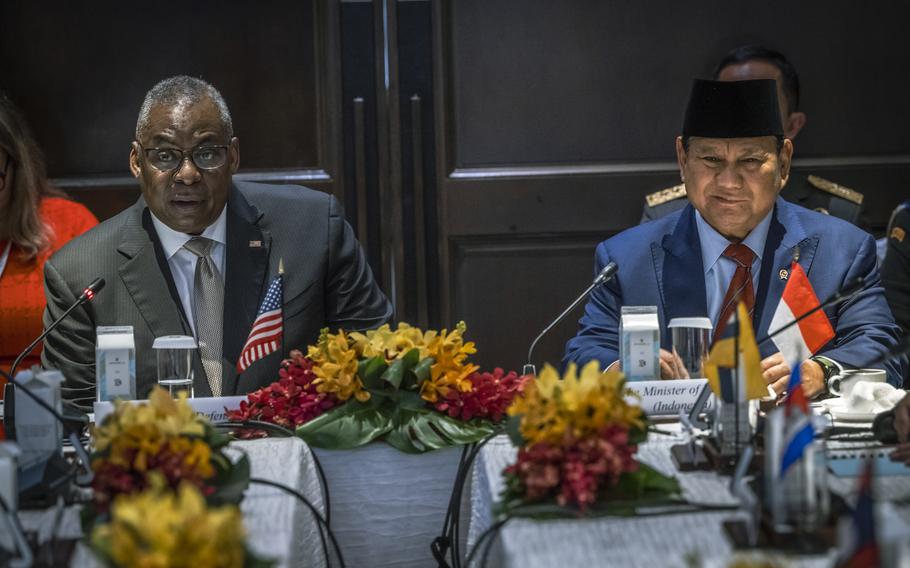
(175,363)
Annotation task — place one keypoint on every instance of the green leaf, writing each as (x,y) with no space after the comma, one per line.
(645,482)
(394,373)
(422,371)
(348,426)
(410,400)
(513,424)
(399,368)
(231,480)
(370,371)
(215,438)
(425,429)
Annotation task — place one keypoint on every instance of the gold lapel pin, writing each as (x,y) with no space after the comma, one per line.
(255,244)
(784,273)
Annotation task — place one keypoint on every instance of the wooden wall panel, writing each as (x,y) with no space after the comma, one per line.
(508,289)
(607,81)
(80,71)
(556,119)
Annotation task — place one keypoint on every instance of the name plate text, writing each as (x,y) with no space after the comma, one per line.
(667,398)
(213,408)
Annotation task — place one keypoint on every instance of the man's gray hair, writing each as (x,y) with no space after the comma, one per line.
(182,91)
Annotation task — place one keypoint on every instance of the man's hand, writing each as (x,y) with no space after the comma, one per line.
(671,366)
(776,373)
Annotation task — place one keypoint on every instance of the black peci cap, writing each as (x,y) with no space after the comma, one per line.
(733,109)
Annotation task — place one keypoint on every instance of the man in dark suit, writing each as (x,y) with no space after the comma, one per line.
(810,191)
(735,240)
(164,257)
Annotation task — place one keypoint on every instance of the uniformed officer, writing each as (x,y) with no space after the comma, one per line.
(812,192)
(896,269)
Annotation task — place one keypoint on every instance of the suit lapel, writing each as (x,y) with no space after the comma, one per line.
(147,278)
(785,236)
(680,276)
(247,262)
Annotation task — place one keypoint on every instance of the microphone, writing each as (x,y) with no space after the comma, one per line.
(603,277)
(850,290)
(88,294)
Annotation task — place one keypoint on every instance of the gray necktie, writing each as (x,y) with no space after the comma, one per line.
(208,310)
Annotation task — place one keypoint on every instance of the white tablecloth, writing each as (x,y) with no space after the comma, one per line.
(279,526)
(673,540)
(387,506)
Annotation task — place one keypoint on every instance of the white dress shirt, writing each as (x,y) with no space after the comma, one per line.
(183,262)
(718,268)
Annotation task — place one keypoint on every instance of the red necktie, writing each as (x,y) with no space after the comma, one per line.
(740,289)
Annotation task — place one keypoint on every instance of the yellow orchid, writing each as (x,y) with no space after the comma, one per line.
(391,345)
(335,364)
(574,406)
(134,433)
(449,370)
(184,532)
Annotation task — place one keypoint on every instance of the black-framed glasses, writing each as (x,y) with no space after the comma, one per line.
(205,157)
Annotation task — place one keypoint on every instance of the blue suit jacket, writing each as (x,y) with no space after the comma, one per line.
(660,264)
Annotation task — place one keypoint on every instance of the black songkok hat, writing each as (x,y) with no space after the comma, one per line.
(733,109)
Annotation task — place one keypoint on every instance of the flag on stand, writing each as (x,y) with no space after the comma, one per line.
(268,329)
(862,546)
(809,335)
(798,430)
(746,382)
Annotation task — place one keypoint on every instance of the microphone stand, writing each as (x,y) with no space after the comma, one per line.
(85,476)
(602,278)
(87,294)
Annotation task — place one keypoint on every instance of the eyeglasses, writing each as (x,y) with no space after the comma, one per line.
(169,159)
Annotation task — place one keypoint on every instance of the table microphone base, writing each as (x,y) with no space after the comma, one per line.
(690,457)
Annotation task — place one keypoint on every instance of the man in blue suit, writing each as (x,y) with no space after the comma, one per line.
(734,241)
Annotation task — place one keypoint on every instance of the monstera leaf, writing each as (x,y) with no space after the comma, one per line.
(348,426)
(421,430)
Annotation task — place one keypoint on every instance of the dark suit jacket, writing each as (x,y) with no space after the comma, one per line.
(660,264)
(327,283)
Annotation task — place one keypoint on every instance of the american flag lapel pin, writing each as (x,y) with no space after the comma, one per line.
(255,244)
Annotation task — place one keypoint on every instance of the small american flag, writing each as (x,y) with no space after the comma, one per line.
(265,337)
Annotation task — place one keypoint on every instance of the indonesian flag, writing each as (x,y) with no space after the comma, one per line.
(809,335)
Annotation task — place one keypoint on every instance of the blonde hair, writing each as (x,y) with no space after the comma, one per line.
(19,219)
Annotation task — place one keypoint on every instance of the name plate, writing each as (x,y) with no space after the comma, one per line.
(213,408)
(667,398)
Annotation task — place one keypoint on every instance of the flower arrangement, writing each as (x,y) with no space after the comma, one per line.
(165,441)
(186,531)
(577,437)
(415,389)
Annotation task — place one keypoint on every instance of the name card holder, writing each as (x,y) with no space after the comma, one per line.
(667,398)
(214,408)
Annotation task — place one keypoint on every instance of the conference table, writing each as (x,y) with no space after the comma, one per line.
(386,508)
(683,539)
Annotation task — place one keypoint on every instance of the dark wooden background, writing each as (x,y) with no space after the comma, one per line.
(481,147)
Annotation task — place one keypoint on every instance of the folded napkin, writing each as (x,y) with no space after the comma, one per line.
(873,397)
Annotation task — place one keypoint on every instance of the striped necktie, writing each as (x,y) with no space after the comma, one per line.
(208,310)
(740,289)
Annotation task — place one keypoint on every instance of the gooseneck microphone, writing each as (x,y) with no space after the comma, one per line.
(87,295)
(849,290)
(602,277)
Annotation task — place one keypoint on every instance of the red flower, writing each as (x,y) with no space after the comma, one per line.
(489,397)
(577,471)
(290,401)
